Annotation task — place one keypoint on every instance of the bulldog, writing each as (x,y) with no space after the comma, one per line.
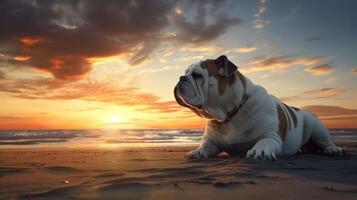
(243,118)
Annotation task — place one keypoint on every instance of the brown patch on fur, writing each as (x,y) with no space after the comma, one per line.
(242,79)
(282,122)
(288,118)
(223,82)
(292,114)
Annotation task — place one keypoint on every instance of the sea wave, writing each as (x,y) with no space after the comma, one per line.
(53,138)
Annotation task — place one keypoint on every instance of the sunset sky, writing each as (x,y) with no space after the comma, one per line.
(114,64)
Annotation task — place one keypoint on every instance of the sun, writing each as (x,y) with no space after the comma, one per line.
(114,119)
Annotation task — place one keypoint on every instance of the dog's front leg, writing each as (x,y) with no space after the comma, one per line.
(266,148)
(205,150)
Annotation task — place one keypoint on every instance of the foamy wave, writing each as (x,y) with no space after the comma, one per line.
(124,136)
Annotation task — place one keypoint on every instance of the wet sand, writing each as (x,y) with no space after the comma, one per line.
(163,173)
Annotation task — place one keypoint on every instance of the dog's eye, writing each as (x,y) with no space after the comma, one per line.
(196,75)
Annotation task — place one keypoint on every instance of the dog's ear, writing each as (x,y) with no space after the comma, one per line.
(225,67)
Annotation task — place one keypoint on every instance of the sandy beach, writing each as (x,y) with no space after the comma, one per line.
(161,173)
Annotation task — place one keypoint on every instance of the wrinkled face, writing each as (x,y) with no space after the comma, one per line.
(204,85)
(191,90)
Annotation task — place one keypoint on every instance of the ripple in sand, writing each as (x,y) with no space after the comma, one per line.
(124,186)
(52,193)
(62,169)
(12,170)
(109,175)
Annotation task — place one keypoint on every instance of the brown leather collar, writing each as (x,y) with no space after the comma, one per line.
(236,108)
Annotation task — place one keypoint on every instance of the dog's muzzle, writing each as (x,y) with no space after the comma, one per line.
(185,87)
(185,94)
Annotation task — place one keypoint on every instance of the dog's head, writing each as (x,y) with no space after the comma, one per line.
(206,88)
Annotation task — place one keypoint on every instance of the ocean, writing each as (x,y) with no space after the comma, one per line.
(120,138)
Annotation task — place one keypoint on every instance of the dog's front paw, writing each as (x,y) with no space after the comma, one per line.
(196,154)
(258,152)
(333,150)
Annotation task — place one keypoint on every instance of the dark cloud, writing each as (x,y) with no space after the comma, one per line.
(198,28)
(59,36)
(313,39)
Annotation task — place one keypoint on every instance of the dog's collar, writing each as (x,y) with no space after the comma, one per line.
(236,108)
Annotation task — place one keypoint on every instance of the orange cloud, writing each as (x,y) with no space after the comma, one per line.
(340,121)
(29,41)
(354,71)
(90,90)
(325,110)
(334,116)
(326,92)
(202,48)
(320,69)
(22,58)
(245,49)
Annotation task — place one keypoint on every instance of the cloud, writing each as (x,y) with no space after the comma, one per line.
(313,39)
(321,93)
(60,37)
(2,75)
(189,58)
(160,69)
(325,92)
(90,90)
(330,80)
(199,28)
(202,48)
(245,49)
(354,71)
(260,23)
(320,69)
(325,110)
(277,64)
(334,116)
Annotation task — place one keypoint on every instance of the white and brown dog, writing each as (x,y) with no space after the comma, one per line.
(243,118)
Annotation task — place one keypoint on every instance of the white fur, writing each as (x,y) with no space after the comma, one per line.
(254,130)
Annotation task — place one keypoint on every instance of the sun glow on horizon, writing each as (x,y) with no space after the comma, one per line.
(115,119)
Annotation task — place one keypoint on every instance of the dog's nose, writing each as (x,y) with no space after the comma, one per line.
(183,78)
